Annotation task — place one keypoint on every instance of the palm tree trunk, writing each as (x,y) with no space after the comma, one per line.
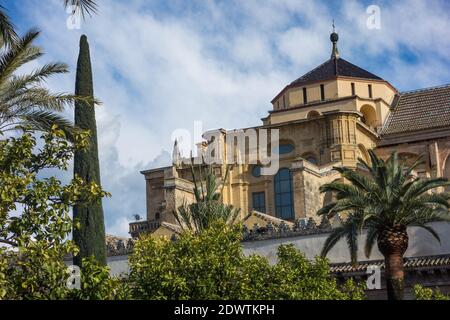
(394,275)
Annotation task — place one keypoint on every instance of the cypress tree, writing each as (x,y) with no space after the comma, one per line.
(90,237)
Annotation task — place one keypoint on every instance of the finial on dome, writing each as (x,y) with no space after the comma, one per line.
(334,37)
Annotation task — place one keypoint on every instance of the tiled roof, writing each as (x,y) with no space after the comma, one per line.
(419,110)
(409,263)
(335,67)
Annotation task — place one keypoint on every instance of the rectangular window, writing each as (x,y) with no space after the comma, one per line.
(305,97)
(353,89)
(322,92)
(284,102)
(370,91)
(259,201)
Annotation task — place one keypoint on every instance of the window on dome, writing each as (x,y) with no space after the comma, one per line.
(256,171)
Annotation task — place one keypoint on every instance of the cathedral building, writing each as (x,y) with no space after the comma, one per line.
(328,117)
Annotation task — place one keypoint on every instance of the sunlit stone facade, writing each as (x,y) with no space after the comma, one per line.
(328,117)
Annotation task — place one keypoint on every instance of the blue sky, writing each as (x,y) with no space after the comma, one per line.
(160,65)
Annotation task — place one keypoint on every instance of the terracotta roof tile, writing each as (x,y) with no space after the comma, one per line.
(409,263)
(419,110)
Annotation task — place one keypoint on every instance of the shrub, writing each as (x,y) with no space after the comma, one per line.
(422,293)
(211,265)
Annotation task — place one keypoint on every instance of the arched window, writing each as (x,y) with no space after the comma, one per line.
(284,206)
(312,114)
(256,171)
(369,116)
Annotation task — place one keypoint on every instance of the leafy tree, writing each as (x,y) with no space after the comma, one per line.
(35,221)
(211,265)
(90,237)
(35,271)
(34,208)
(39,272)
(385,201)
(207,207)
(97,284)
(422,293)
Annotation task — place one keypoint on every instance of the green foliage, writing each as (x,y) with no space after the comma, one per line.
(90,236)
(35,221)
(34,208)
(7,33)
(37,272)
(387,196)
(97,284)
(211,265)
(422,293)
(207,208)
(294,277)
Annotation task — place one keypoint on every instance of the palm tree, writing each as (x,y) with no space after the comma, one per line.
(24,101)
(384,202)
(207,207)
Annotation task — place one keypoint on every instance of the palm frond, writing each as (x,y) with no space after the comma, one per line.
(8,35)
(327,210)
(20,53)
(372,235)
(425,185)
(348,230)
(83,6)
(44,120)
(357,179)
(430,230)
(335,235)
(207,208)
